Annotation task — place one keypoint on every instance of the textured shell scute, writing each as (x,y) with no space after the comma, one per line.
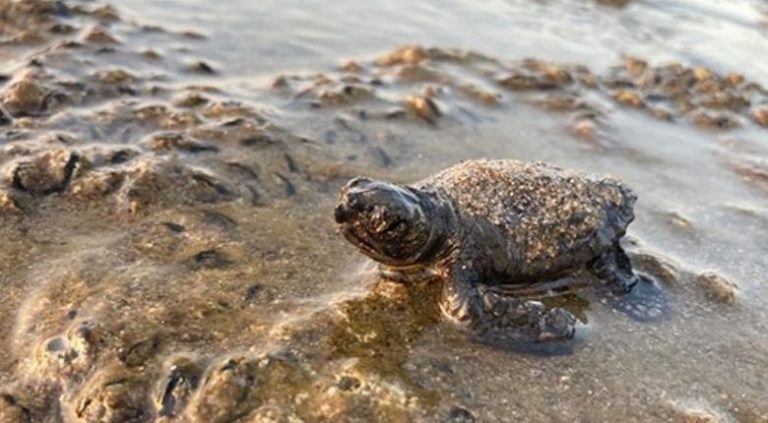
(550,213)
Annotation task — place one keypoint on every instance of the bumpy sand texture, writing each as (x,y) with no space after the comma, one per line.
(167,251)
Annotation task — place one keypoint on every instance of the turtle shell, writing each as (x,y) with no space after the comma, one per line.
(554,219)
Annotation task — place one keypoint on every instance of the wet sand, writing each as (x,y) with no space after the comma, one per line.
(169,174)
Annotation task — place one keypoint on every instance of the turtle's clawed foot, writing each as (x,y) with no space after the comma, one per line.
(504,320)
(644,302)
(635,296)
(556,324)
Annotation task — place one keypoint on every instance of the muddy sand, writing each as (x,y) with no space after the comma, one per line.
(166,210)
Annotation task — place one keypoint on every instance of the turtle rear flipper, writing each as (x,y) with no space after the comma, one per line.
(636,296)
(645,302)
(614,267)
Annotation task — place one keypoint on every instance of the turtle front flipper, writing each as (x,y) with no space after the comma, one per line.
(489,315)
(636,296)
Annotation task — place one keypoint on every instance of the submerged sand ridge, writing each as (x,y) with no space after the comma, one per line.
(169,253)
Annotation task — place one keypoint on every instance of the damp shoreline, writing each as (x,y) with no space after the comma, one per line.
(168,175)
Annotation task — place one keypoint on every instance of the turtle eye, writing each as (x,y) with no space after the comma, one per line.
(379,220)
(383,220)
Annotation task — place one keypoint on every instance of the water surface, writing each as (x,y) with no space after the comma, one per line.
(248,276)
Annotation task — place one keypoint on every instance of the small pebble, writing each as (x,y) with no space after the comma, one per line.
(734,78)
(99,35)
(635,67)
(760,115)
(423,107)
(152,54)
(5,118)
(585,129)
(629,98)
(46,174)
(702,74)
(11,410)
(700,416)
(7,203)
(459,415)
(210,259)
(716,287)
(349,383)
(712,120)
(351,67)
(202,67)
(404,55)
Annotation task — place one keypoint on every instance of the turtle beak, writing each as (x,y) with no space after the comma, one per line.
(351,200)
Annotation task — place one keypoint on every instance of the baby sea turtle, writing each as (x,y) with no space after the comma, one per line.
(492,230)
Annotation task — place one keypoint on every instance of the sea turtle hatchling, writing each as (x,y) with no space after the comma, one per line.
(492,230)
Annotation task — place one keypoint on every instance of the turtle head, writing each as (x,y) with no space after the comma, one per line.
(390,223)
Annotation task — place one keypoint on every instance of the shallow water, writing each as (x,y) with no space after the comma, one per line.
(251,38)
(224,251)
